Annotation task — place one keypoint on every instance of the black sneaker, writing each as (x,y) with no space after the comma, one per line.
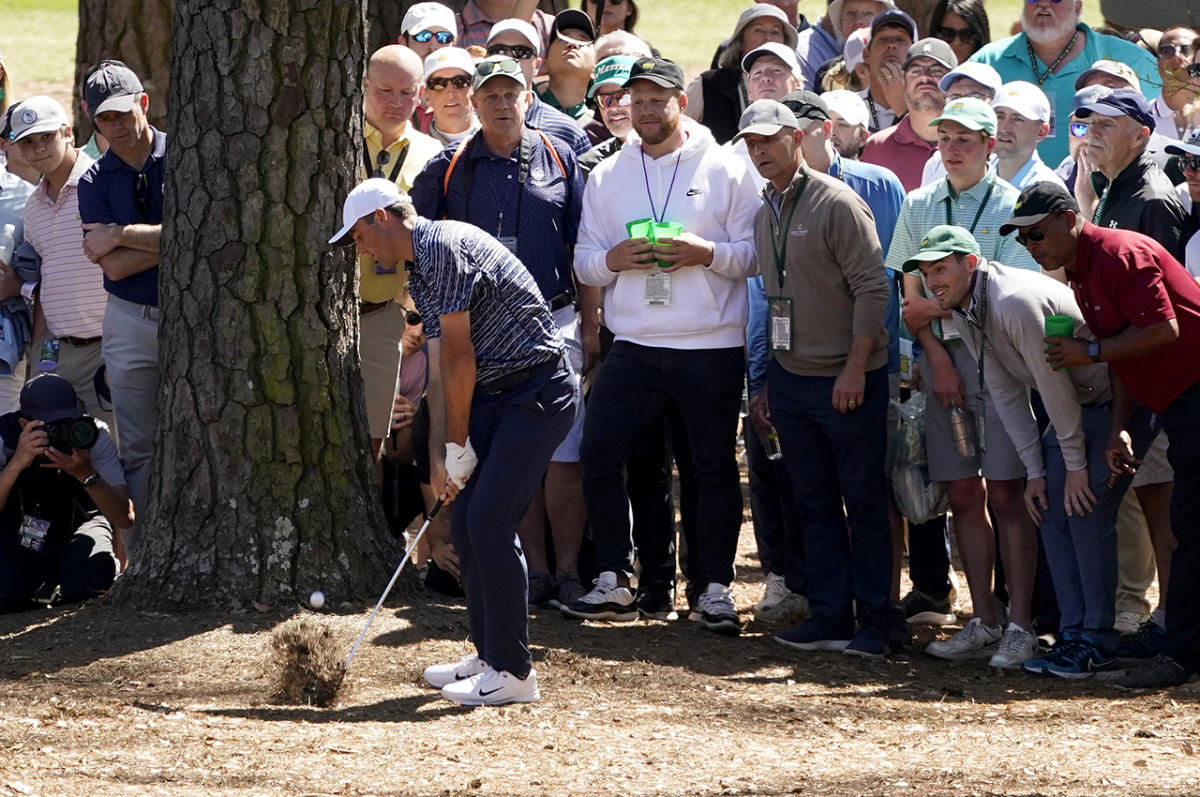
(717,612)
(899,635)
(1144,644)
(656,601)
(1160,672)
(608,600)
(920,609)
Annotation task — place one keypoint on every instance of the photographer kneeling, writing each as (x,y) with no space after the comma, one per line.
(62,492)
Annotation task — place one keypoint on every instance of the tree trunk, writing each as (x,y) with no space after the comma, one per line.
(262,487)
(137,32)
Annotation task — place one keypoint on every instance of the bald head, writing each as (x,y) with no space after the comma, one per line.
(392,87)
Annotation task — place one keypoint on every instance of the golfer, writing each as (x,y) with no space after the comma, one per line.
(509,399)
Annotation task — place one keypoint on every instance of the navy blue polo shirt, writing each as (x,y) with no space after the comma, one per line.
(457,267)
(113,192)
(485,190)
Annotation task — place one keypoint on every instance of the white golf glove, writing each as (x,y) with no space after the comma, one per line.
(460,462)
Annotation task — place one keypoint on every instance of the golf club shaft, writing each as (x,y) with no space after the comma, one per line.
(407,553)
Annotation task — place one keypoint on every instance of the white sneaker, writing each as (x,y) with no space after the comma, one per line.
(608,600)
(792,610)
(974,641)
(1129,622)
(493,688)
(438,675)
(1017,646)
(773,593)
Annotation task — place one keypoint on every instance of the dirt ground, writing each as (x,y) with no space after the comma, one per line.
(99,700)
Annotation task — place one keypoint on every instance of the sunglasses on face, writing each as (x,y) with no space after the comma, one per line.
(506,67)
(1032,235)
(620,98)
(1079,129)
(1190,162)
(1170,50)
(519,51)
(965,35)
(442,36)
(411,317)
(440,83)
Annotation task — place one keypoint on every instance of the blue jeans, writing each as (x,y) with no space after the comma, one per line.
(1181,422)
(834,459)
(1082,550)
(513,434)
(635,387)
(777,530)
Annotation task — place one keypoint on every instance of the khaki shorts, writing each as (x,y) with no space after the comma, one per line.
(1155,469)
(379,336)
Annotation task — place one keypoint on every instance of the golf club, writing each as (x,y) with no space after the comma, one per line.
(407,553)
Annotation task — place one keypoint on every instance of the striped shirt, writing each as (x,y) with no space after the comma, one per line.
(934,204)
(556,123)
(458,267)
(71,291)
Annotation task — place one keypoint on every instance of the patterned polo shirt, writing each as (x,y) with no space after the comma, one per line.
(458,267)
(474,27)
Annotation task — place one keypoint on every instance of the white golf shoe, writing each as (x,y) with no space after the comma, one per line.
(439,675)
(493,688)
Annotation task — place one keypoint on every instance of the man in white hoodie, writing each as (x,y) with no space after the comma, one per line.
(678,310)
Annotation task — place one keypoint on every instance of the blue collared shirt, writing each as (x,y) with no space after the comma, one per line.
(113,192)
(457,267)
(543,214)
(556,123)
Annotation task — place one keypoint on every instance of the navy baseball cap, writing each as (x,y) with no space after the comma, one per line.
(112,87)
(896,18)
(48,397)
(1120,102)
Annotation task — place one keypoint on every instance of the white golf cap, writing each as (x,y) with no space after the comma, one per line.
(855,49)
(449,58)
(527,32)
(980,73)
(848,105)
(1024,98)
(426,16)
(38,115)
(366,198)
(780,51)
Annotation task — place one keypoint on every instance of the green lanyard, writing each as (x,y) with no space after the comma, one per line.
(780,251)
(1102,205)
(982,205)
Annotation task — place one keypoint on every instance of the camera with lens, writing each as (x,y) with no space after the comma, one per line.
(68,434)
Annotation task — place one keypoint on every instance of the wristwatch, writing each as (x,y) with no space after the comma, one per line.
(1094,351)
(91,481)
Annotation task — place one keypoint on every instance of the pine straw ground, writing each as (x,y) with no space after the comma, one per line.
(99,700)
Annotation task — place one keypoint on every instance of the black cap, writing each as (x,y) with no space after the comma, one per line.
(933,48)
(662,71)
(896,18)
(806,105)
(1036,202)
(1120,102)
(48,397)
(573,18)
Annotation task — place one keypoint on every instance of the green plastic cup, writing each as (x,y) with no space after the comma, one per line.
(1060,326)
(641,228)
(666,229)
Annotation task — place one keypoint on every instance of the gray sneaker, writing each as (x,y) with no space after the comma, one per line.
(567,589)
(541,589)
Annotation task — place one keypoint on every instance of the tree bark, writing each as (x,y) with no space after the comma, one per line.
(262,487)
(137,32)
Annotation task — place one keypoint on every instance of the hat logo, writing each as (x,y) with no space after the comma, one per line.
(927,49)
(29,116)
(925,242)
(1018,206)
(646,65)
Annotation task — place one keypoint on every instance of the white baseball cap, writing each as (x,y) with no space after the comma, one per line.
(366,198)
(527,31)
(848,105)
(38,115)
(1024,98)
(980,73)
(424,16)
(780,51)
(449,58)
(854,51)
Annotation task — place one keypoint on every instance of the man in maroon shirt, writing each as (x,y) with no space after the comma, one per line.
(1144,310)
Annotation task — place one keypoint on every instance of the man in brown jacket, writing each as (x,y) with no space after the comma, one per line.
(827,389)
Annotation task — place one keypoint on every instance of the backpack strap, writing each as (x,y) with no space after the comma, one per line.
(462,146)
(554,154)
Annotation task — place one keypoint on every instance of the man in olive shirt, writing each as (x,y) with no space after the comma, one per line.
(827,389)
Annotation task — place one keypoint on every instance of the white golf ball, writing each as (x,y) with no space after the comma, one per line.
(317,599)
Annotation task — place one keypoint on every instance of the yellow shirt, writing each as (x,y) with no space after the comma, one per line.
(376,283)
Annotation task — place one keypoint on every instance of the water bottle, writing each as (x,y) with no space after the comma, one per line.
(962,432)
(8,243)
(771,445)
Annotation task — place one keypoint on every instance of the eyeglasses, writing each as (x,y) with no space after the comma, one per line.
(935,72)
(1169,50)
(381,160)
(1190,162)
(442,36)
(621,99)
(141,194)
(519,51)
(506,67)
(1079,129)
(1033,235)
(440,83)
(411,317)
(965,35)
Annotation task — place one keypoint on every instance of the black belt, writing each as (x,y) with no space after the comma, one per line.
(504,382)
(560,301)
(79,341)
(366,308)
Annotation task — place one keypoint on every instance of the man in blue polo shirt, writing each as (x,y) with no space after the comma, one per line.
(1052,50)
(524,187)
(121,206)
(508,395)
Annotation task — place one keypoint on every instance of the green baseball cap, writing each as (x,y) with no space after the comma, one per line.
(612,71)
(970,112)
(942,241)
